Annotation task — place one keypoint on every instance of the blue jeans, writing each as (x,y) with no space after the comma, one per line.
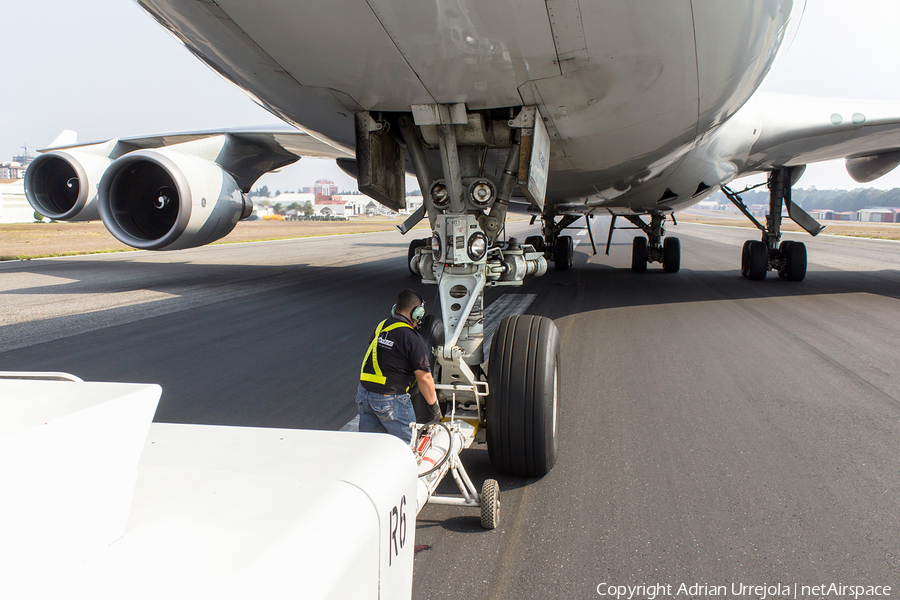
(385,414)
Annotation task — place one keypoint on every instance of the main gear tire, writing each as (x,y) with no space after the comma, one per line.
(745,258)
(795,261)
(671,255)
(640,255)
(564,253)
(783,252)
(522,409)
(536,241)
(758,261)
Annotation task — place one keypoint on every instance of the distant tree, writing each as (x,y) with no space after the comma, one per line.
(279,209)
(261,191)
(307,209)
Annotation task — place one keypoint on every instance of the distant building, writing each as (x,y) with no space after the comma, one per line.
(325,187)
(878,214)
(287,199)
(15,169)
(330,206)
(359,204)
(12,170)
(846,216)
(822,214)
(413,203)
(326,202)
(14,207)
(758,210)
(709,205)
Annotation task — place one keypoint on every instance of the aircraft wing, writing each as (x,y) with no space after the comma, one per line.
(797,131)
(278,139)
(262,147)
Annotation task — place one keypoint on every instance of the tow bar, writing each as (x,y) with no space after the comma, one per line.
(437,447)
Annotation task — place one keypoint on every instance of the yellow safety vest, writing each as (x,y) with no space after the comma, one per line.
(378,376)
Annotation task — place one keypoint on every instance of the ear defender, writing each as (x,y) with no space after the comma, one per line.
(418,312)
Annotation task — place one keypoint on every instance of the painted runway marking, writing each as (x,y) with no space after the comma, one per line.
(504,306)
(352,424)
(582,232)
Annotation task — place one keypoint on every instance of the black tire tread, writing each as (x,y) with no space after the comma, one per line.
(796,260)
(672,255)
(563,253)
(490,504)
(758,261)
(524,358)
(639,254)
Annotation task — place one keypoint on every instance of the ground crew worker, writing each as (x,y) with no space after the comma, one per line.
(396,357)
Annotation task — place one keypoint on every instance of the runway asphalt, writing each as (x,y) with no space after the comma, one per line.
(714,430)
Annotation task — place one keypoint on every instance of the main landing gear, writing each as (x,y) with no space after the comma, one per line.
(468,164)
(559,248)
(787,258)
(653,248)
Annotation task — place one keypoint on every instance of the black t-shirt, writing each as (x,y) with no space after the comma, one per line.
(401,352)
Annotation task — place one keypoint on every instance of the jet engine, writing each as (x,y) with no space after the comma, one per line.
(166,200)
(62,184)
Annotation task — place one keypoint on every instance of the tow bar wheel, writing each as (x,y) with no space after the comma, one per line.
(490,504)
(523,375)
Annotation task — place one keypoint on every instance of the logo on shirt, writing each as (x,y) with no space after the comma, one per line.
(385,342)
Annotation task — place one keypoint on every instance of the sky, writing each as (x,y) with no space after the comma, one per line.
(105,69)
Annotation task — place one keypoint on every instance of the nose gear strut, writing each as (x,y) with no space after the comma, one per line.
(468,165)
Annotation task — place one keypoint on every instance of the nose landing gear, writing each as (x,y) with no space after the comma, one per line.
(515,410)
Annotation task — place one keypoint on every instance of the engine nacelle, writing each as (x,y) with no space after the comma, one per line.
(62,184)
(167,200)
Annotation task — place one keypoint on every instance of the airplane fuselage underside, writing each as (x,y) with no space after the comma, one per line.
(627,90)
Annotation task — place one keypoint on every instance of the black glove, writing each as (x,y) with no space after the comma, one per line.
(435,411)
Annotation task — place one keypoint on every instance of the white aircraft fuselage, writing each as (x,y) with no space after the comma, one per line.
(631,93)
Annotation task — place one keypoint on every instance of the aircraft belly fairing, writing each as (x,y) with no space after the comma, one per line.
(619,83)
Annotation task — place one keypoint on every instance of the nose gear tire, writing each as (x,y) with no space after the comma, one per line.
(522,407)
